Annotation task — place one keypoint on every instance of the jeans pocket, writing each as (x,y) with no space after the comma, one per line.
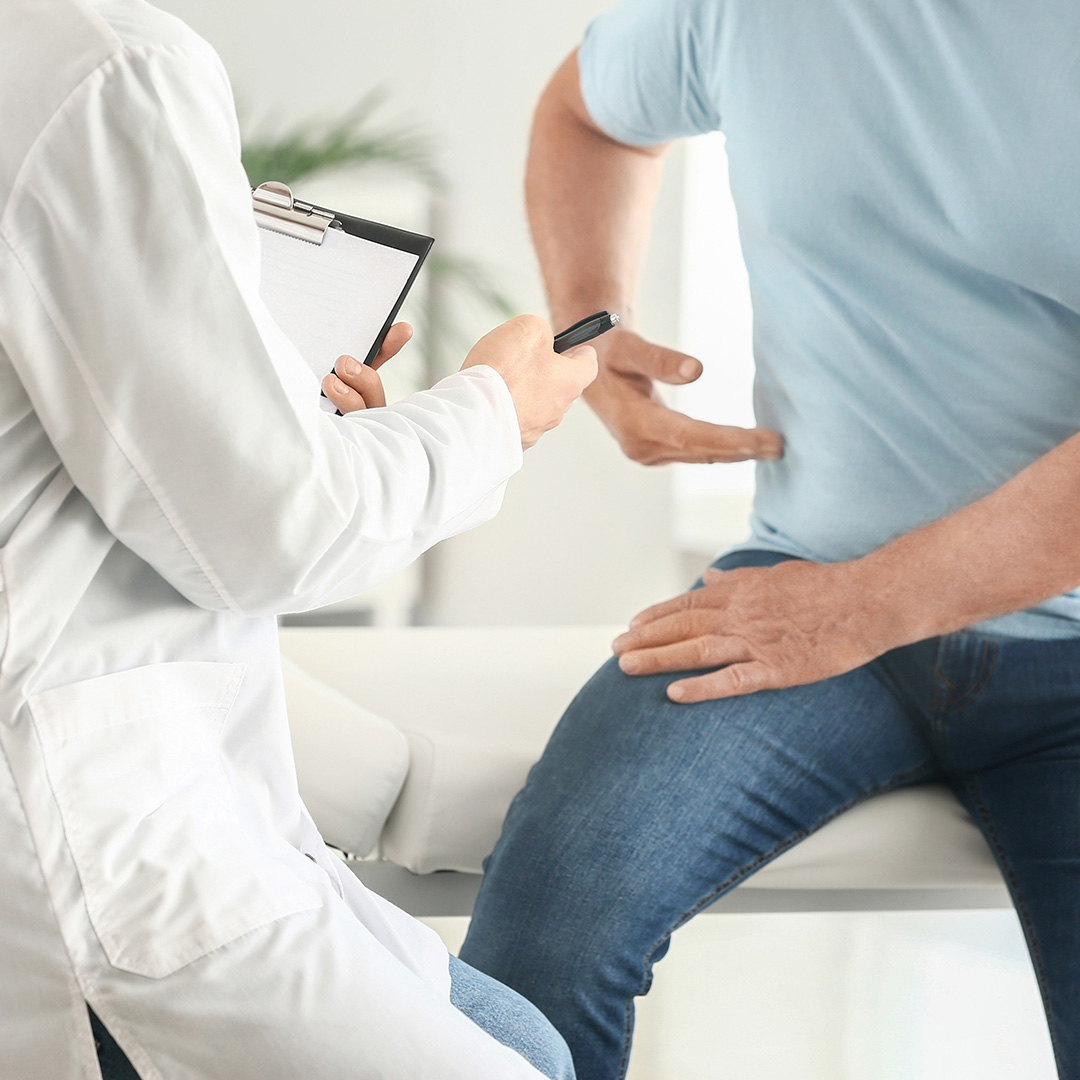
(167,870)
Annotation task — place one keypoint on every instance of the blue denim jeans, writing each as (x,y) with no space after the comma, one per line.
(642,812)
(510,1018)
(501,1012)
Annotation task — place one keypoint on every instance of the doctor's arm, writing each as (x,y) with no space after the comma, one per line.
(590,200)
(172,398)
(799,622)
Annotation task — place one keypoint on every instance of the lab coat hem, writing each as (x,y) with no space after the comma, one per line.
(114,1024)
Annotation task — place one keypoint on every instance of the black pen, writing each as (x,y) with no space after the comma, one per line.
(586,330)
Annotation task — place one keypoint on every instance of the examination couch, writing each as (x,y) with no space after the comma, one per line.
(410,744)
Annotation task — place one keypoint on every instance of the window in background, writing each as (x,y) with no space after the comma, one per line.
(712,502)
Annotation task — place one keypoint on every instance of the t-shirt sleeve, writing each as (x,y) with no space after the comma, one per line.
(650,69)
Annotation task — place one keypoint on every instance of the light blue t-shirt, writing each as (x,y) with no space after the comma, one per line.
(907,180)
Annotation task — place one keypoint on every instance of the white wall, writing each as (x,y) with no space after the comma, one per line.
(584,535)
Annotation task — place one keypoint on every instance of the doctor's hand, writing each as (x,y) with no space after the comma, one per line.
(761,628)
(355,385)
(542,382)
(625,399)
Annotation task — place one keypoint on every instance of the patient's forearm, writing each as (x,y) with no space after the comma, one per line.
(1014,548)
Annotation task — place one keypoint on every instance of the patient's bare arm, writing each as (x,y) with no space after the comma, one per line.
(590,202)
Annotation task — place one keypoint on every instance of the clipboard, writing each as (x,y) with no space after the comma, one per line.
(334,283)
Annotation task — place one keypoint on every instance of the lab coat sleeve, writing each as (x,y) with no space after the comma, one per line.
(177,405)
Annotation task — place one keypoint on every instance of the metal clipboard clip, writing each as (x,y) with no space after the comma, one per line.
(276,209)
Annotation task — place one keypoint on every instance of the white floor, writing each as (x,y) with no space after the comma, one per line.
(883,996)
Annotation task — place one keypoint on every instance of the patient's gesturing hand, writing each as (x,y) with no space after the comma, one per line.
(624,396)
(542,382)
(355,385)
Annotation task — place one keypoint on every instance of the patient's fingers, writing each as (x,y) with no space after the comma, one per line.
(678,626)
(707,651)
(708,597)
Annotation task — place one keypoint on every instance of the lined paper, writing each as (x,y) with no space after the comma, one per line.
(333,298)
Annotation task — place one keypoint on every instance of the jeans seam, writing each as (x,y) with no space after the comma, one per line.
(746,871)
(982,679)
(939,665)
(940,702)
(628,1031)
(1018,899)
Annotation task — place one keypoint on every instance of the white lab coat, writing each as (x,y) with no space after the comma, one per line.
(168,484)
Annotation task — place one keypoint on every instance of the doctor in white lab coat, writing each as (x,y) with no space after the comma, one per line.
(168,484)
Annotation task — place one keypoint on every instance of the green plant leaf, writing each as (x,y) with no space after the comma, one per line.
(316,146)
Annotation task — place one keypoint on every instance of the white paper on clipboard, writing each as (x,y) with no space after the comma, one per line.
(335,293)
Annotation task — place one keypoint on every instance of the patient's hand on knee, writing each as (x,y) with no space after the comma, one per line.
(760,628)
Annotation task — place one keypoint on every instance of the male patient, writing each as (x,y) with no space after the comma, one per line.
(906,178)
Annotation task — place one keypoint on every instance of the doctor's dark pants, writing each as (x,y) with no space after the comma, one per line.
(642,812)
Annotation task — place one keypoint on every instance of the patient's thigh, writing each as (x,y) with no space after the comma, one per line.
(650,809)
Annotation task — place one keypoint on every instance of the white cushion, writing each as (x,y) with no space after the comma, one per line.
(914,838)
(477,706)
(350,763)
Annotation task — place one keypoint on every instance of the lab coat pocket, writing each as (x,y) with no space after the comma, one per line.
(167,870)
